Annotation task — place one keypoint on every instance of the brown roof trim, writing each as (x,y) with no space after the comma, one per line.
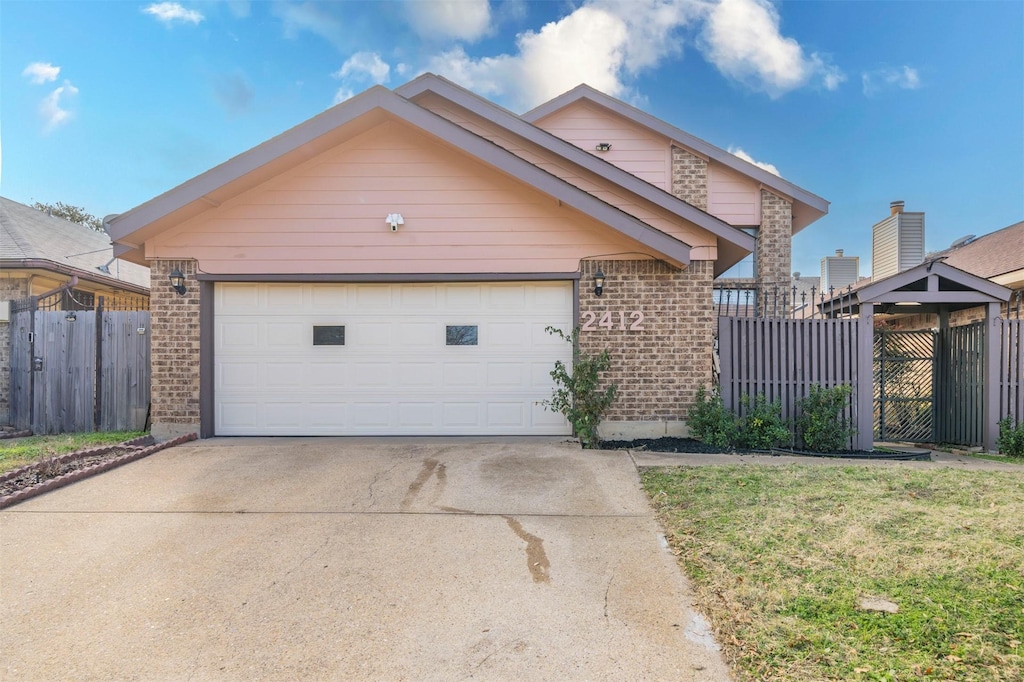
(8,264)
(331,278)
(123,226)
(480,106)
(889,290)
(770,180)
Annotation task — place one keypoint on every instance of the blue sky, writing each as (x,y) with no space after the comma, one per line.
(108,104)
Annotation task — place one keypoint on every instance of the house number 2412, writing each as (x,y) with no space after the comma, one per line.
(623,321)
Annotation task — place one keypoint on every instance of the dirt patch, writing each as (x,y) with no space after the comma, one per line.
(55,472)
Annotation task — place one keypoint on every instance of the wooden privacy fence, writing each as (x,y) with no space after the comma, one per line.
(782,358)
(1011,369)
(83,370)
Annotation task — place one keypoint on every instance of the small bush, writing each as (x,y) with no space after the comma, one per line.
(1011,438)
(710,422)
(763,427)
(579,396)
(822,425)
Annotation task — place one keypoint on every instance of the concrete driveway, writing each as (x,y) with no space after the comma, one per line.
(331,559)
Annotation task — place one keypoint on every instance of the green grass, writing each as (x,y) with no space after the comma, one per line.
(780,557)
(17,452)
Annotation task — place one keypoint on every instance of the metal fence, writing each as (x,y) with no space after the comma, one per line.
(79,370)
(749,300)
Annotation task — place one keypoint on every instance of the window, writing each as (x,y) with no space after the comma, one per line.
(746,268)
(460,335)
(329,335)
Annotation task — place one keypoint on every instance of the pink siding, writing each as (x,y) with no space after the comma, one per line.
(327,216)
(634,148)
(732,197)
(704,243)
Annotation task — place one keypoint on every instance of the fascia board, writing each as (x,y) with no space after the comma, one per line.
(876,291)
(769,180)
(570,152)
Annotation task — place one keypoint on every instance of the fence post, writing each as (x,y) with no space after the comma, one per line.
(864,383)
(990,383)
(97,395)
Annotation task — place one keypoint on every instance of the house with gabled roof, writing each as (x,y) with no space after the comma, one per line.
(41,254)
(390,267)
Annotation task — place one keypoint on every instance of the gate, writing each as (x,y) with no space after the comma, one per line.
(79,370)
(904,381)
(960,392)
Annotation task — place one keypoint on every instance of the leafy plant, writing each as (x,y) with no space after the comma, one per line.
(710,422)
(579,395)
(1011,438)
(763,426)
(822,425)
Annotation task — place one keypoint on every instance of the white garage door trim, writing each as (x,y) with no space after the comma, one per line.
(395,373)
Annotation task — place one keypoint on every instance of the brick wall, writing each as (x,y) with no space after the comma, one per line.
(174,350)
(10,290)
(658,369)
(774,242)
(690,178)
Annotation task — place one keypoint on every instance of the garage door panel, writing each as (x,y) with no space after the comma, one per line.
(394,374)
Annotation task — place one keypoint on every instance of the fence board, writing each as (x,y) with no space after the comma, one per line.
(782,357)
(61,396)
(1011,369)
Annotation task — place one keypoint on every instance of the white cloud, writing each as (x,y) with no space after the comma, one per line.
(742,39)
(366,65)
(587,46)
(360,70)
(467,20)
(607,43)
(41,72)
(52,107)
(749,159)
(903,78)
(170,12)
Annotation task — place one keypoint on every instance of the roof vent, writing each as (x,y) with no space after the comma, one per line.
(963,241)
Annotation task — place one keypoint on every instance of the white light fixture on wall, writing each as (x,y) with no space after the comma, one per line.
(394,220)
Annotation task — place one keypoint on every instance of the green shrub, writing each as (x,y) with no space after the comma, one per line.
(763,427)
(579,396)
(1011,438)
(822,426)
(710,422)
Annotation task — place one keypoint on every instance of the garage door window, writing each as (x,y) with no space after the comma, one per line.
(460,335)
(329,335)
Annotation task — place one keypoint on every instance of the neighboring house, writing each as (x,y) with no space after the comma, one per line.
(40,254)
(998,257)
(390,266)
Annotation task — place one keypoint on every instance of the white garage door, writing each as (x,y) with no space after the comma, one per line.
(388,359)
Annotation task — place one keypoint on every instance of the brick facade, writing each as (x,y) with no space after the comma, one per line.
(174,350)
(690,178)
(10,290)
(658,369)
(774,242)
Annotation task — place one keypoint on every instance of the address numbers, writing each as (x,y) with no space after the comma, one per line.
(632,321)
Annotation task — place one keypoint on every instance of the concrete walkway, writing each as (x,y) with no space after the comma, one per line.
(331,559)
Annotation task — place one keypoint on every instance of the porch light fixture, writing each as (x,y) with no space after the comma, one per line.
(177,281)
(598,283)
(603,146)
(394,220)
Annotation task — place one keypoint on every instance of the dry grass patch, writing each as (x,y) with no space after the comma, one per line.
(782,557)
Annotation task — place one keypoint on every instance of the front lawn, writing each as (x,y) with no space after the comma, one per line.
(17,452)
(781,559)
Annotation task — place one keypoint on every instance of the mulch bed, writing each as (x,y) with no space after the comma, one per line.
(54,472)
(689,445)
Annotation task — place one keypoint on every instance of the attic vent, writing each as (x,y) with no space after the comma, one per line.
(963,241)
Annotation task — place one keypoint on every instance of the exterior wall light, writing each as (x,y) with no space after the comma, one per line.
(598,283)
(394,220)
(603,146)
(177,281)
